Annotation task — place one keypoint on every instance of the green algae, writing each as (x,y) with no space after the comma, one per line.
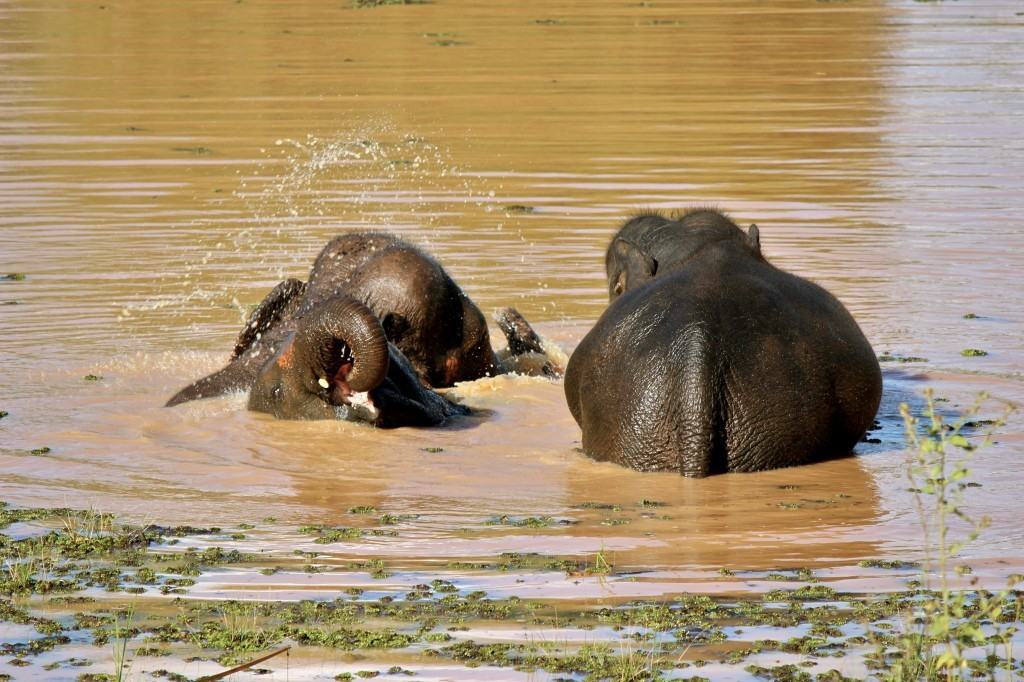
(527,521)
(394,519)
(805,593)
(894,564)
(362,4)
(326,535)
(96,551)
(517,561)
(599,505)
(890,357)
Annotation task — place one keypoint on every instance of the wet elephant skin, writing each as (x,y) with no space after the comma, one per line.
(709,359)
(378,316)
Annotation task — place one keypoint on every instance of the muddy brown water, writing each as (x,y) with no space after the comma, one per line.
(163,165)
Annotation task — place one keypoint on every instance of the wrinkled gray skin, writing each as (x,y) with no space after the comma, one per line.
(423,311)
(709,359)
(377,316)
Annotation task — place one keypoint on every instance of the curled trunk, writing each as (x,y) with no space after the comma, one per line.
(344,330)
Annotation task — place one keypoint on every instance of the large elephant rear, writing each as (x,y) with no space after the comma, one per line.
(723,366)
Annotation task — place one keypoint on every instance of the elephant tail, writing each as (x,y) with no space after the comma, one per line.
(701,437)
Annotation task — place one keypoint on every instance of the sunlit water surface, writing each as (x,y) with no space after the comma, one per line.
(163,165)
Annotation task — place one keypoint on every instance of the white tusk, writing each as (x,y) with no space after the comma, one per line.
(362,403)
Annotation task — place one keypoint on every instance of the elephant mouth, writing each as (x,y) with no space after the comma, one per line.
(358,407)
(361,404)
(339,378)
(335,373)
(348,403)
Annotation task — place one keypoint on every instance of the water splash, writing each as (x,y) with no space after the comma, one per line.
(305,191)
(373,177)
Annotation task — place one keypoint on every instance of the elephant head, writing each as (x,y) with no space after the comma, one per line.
(651,244)
(330,361)
(327,368)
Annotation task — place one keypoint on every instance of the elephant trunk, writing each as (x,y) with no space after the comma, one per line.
(344,330)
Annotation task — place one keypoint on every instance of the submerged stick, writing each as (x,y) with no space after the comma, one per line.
(221,676)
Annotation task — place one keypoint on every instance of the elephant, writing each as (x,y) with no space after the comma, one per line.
(709,359)
(376,327)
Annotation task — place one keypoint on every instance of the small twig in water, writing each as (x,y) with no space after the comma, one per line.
(239,668)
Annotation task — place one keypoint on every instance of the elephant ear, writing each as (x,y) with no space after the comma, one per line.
(635,266)
(236,376)
(268,313)
(754,237)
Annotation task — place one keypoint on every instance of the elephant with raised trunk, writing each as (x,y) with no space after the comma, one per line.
(377,325)
(709,359)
